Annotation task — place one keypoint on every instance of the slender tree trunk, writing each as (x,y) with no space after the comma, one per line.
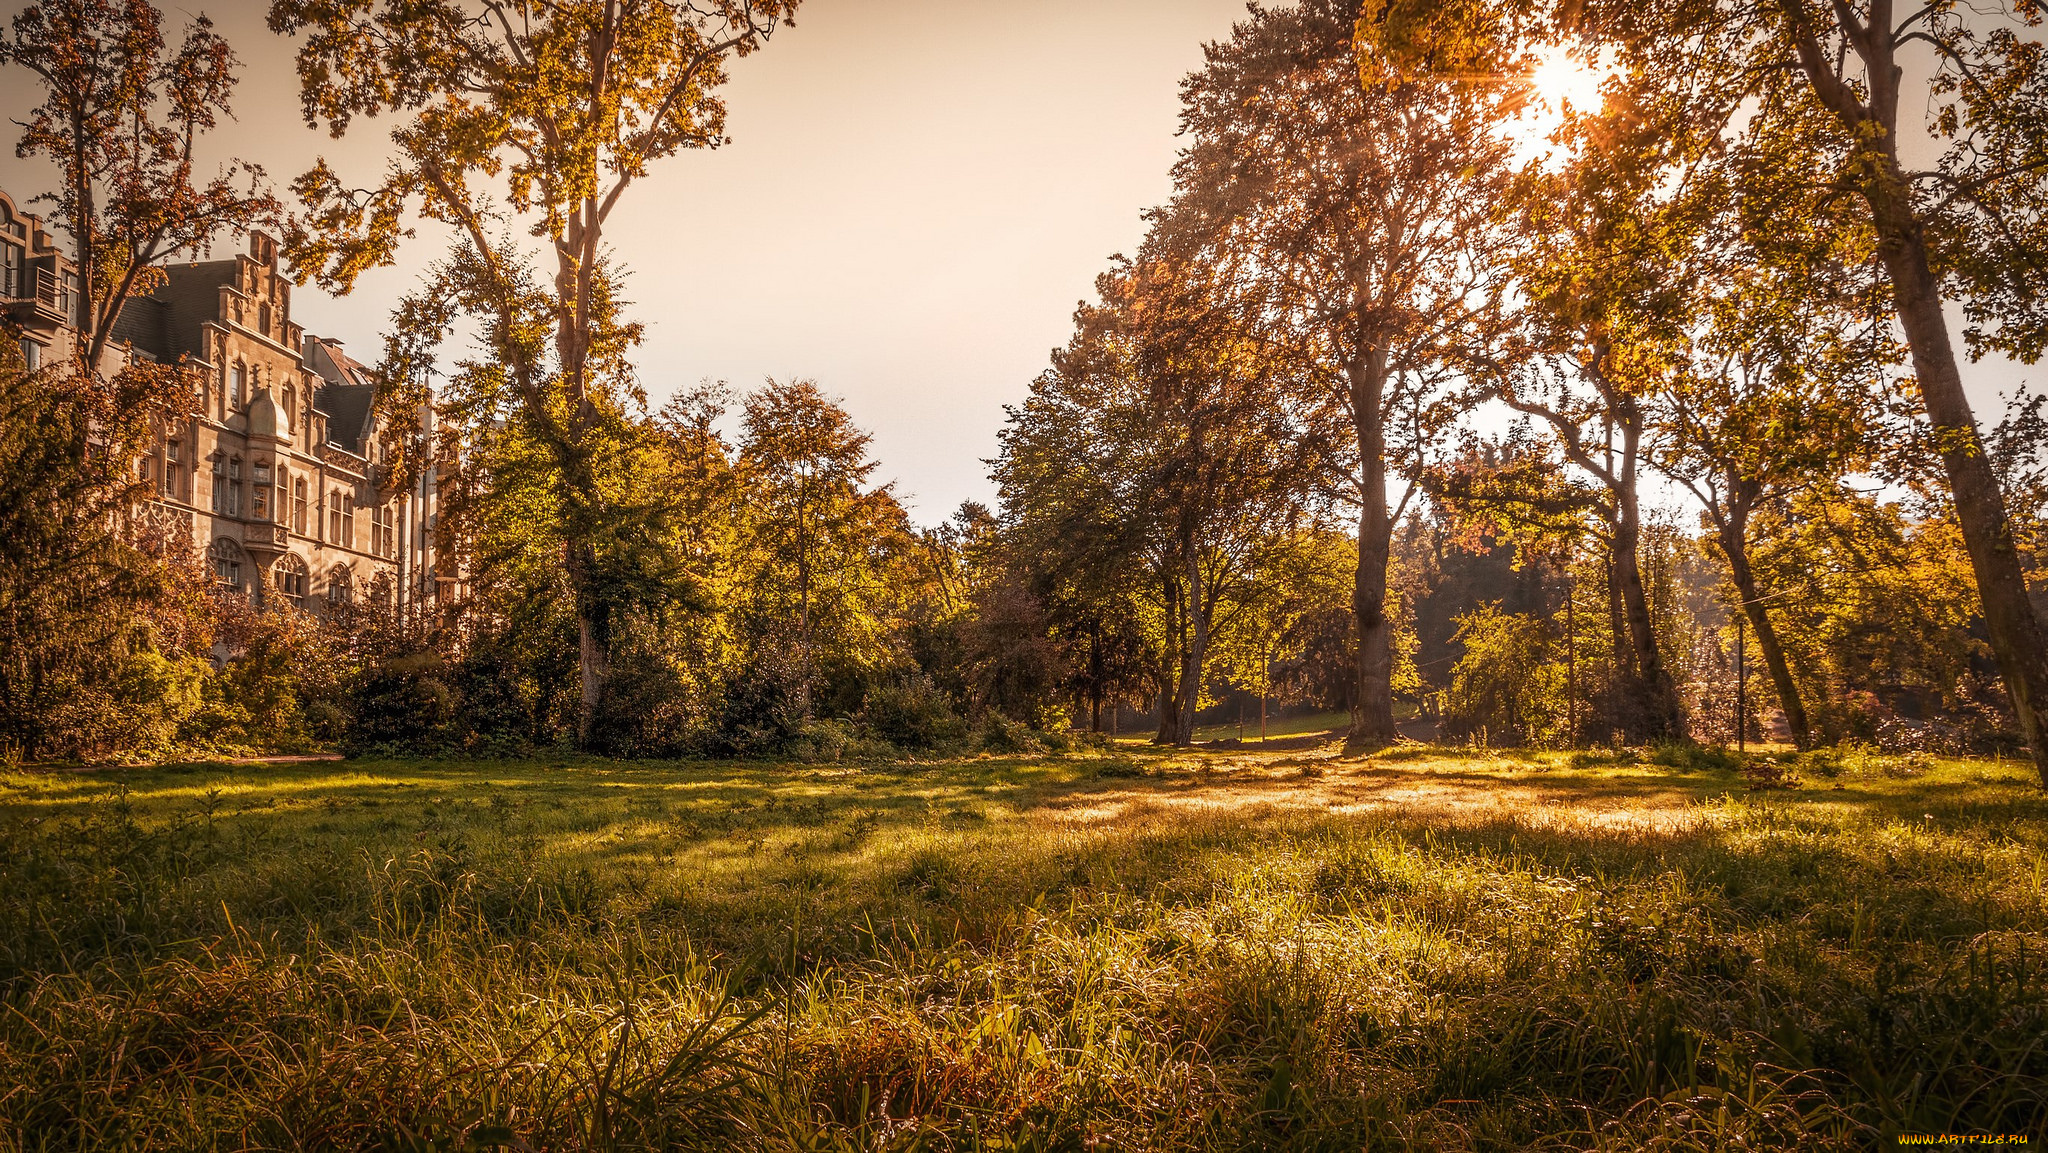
(1195,653)
(1094,681)
(1373,715)
(1652,699)
(1736,549)
(1168,694)
(593,648)
(2017,635)
(1621,658)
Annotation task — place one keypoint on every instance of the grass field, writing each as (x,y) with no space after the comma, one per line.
(1423,950)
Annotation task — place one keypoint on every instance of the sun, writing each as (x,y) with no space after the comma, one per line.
(1562,80)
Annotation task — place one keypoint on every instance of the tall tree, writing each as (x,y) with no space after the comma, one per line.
(1606,259)
(826,544)
(1832,80)
(121,118)
(1781,391)
(1365,205)
(1157,445)
(561,108)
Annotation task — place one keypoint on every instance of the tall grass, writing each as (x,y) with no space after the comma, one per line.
(970,956)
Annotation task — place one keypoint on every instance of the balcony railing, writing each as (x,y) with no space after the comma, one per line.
(43,301)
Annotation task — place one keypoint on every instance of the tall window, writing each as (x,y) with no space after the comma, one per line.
(238,386)
(10,270)
(299,507)
(235,486)
(338,585)
(220,485)
(288,396)
(348,521)
(334,518)
(170,485)
(384,531)
(263,318)
(259,503)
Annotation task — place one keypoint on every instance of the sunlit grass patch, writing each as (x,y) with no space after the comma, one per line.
(1208,951)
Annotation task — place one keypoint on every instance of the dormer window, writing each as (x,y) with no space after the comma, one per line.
(263,318)
(238,385)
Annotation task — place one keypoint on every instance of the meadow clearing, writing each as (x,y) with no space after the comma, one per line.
(1274,949)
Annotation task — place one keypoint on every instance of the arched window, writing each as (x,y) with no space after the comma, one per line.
(340,584)
(224,557)
(290,578)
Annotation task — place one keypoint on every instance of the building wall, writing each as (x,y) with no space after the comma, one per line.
(278,477)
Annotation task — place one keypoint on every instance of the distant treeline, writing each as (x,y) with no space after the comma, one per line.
(1375,418)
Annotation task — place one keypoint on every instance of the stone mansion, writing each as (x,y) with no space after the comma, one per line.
(280,475)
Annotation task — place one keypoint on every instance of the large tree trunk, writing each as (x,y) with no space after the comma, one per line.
(1736,549)
(1373,710)
(2016,632)
(1652,698)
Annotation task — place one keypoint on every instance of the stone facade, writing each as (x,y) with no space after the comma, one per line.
(281,475)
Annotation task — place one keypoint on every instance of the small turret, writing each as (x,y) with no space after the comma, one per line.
(263,418)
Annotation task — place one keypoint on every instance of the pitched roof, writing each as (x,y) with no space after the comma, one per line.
(346,397)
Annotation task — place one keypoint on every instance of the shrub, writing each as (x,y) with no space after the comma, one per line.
(1696,758)
(912,712)
(405,705)
(1508,689)
(999,734)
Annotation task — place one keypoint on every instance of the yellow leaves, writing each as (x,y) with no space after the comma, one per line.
(1398,38)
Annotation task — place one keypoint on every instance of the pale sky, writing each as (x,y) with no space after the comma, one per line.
(917,194)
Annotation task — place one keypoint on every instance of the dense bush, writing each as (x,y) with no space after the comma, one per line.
(912,712)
